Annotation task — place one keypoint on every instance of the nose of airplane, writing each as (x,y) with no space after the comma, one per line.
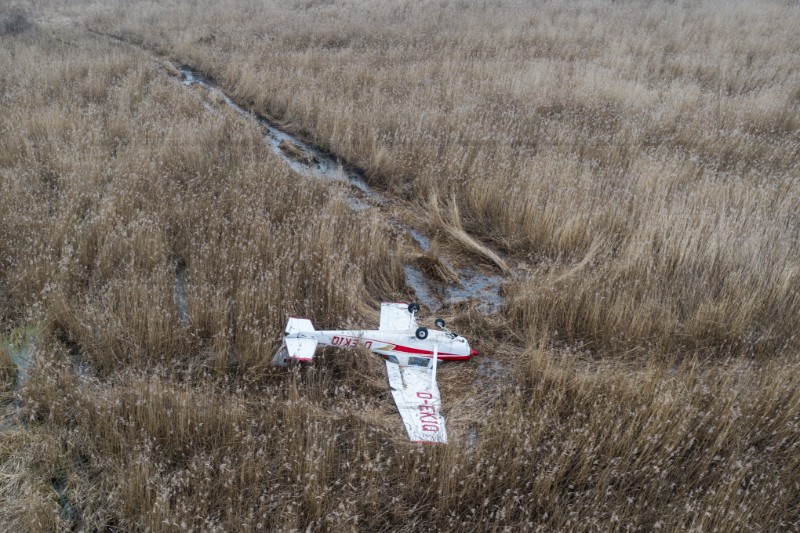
(473,353)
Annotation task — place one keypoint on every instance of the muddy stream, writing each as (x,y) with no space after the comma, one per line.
(472,285)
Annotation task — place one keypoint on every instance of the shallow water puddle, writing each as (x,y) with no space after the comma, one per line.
(180,295)
(20,344)
(476,285)
(416,280)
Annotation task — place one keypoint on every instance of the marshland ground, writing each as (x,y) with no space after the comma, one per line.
(634,165)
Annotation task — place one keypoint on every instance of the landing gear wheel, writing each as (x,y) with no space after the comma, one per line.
(440,323)
(422,333)
(413,308)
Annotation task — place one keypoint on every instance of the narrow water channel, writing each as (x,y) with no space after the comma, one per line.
(473,285)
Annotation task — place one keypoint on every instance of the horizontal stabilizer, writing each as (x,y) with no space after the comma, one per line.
(299,344)
(300,348)
(299,325)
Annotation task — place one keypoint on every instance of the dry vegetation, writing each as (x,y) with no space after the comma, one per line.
(635,165)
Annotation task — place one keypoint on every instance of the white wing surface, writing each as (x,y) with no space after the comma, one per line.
(417,397)
(396,317)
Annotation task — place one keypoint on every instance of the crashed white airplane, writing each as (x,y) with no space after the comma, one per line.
(411,354)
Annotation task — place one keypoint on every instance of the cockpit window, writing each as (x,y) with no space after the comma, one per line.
(418,361)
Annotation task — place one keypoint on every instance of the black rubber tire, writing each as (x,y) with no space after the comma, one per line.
(413,307)
(440,323)
(422,333)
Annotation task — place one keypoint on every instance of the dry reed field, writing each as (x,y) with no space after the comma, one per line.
(630,169)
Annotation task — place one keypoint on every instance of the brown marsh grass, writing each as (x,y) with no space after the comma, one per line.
(637,161)
(641,158)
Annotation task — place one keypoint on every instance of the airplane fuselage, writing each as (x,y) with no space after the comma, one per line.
(401,347)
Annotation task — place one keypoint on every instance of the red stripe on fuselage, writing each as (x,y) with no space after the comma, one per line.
(409,349)
(440,355)
(348,341)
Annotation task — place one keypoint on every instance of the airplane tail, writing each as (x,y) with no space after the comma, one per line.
(299,344)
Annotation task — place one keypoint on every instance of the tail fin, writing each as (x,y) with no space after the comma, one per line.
(299,344)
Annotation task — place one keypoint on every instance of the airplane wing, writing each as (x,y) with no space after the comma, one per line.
(396,317)
(417,397)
